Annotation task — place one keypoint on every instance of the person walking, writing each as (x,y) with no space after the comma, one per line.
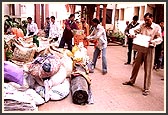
(47,27)
(153,30)
(70,24)
(99,33)
(133,24)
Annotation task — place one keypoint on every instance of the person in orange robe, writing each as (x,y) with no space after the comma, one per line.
(85,27)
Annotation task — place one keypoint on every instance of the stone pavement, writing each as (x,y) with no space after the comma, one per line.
(110,96)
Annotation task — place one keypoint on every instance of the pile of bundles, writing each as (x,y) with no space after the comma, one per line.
(34,75)
(33,78)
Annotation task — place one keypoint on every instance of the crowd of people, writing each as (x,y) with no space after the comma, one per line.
(98,37)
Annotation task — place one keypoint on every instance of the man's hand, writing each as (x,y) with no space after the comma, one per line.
(132,36)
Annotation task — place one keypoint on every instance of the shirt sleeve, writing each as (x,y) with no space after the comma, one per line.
(158,37)
(36,29)
(50,31)
(98,34)
(27,33)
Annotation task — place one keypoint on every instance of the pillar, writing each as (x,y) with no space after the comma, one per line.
(98,11)
(104,15)
(42,16)
(37,15)
(82,9)
(46,10)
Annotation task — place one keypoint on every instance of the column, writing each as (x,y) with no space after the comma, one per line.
(104,16)
(46,10)
(98,11)
(82,8)
(42,16)
(37,15)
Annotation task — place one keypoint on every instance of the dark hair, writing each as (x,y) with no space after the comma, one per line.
(135,18)
(29,18)
(148,14)
(53,17)
(161,21)
(72,15)
(95,20)
(47,18)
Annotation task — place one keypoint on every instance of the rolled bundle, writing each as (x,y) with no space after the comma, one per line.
(79,89)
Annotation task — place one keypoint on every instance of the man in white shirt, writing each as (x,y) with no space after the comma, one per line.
(54,29)
(32,28)
(99,33)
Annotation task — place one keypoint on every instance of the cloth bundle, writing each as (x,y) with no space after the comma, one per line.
(44,66)
(13,73)
(80,86)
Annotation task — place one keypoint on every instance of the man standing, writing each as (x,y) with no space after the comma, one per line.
(47,27)
(85,27)
(133,24)
(153,30)
(32,28)
(158,50)
(67,34)
(54,29)
(99,33)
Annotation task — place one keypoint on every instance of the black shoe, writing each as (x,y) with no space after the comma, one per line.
(127,63)
(104,72)
(127,83)
(145,92)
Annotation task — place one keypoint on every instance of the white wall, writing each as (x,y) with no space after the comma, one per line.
(5,9)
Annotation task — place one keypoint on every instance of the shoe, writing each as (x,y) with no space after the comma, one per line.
(145,92)
(127,83)
(126,63)
(104,72)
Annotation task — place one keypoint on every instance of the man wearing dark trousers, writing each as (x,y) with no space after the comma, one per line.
(70,24)
(133,24)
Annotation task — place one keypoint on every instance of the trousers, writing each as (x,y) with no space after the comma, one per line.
(104,61)
(148,59)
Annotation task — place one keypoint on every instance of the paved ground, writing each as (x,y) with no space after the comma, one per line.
(109,93)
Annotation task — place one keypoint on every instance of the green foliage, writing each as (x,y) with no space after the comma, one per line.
(118,35)
(10,22)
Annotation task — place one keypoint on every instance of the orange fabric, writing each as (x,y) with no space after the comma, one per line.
(17,32)
(85,27)
(78,38)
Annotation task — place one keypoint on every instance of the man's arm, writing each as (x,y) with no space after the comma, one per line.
(98,34)
(27,30)
(67,25)
(158,37)
(36,29)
